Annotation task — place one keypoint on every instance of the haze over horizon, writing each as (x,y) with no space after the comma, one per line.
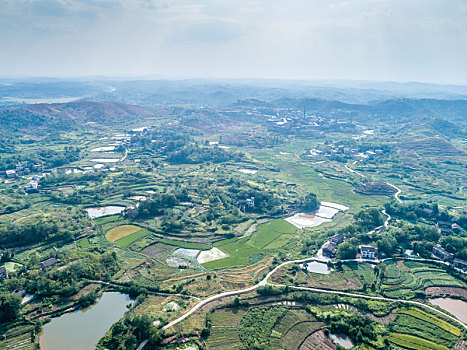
(397,40)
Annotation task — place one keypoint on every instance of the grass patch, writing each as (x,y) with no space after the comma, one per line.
(120,232)
(126,241)
(84,243)
(106,219)
(416,343)
(422,315)
(239,251)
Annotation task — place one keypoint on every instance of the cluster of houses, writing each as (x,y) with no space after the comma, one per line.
(441,253)
(347,151)
(43,264)
(249,202)
(19,169)
(329,248)
(447,228)
(33,185)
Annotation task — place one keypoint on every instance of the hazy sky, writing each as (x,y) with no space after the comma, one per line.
(403,40)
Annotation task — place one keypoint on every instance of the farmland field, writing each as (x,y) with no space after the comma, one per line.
(415,343)
(120,232)
(417,313)
(129,239)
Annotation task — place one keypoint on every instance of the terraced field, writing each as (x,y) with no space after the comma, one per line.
(429,328)
(404,279)
(19,342)
(224,331)
(411,342)
(295,327)
(417,313)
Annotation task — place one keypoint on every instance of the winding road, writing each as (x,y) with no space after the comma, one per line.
(265,282)
(398,190)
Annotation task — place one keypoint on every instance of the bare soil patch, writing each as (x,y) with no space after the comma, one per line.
(457,291)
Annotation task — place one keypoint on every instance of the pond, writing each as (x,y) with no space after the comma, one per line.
(81,330)
(454,306)
(104,211)
(248,171)
(301,220)
(317,267)
(343,340)
(105,160)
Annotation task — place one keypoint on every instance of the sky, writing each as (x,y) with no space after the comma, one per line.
(376,40)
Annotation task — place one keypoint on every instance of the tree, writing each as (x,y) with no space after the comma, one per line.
(387,244)
(347,251)
(310,203)
(10,305)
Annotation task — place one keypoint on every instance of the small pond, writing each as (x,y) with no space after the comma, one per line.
(343,340)
(248,171)
(81,330)
(454,306)
(317,267)
(104,211)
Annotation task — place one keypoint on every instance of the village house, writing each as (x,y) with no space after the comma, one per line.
(460,264)
(441,253)
(250,202)
(32,186)
(367,251)
(48,263)
(337,239)
(3,272)
(444,227)
(329,250)
(10,173)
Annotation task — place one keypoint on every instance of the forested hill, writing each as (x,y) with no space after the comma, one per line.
(68,115)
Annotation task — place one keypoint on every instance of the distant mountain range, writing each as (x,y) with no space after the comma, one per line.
(215,93)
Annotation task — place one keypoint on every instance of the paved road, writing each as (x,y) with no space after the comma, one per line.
(126,154)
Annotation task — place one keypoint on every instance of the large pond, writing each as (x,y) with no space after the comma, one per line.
(81,330)
(317,267)
(104,211)
(454,306)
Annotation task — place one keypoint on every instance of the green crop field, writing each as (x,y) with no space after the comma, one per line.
(187,245)
(238,250)
(415,343)
(422,315)
(106,219)
(269,232)
(126,241)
